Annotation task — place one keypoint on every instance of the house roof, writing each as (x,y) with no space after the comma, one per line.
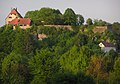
(106,44)
(20,21)
(14,11)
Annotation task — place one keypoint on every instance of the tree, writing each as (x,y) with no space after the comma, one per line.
(43,66)
(115,75)
(34,16)
(89,21)
(80,19)
(100,22)
(7,37)
(116,27)
(15,70)
(24,42)
(82,78)
(96,69)
(45,16)
(65,78)
(69,78)
(83,39)
(2,56)
(75,60)
(70,17)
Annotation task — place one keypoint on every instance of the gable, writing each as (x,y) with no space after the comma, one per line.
(15,13)
(101,45)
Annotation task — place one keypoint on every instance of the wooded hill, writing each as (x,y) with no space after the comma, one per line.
(64,57)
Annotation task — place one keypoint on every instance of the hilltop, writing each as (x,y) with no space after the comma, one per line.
(51,53)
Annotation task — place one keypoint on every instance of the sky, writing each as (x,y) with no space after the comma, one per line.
(107,10)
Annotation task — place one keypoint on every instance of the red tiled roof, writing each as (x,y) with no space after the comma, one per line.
(20,21)
(106,44)
(14,11)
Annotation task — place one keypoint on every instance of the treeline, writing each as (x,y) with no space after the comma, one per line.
(49,16)
(65,57)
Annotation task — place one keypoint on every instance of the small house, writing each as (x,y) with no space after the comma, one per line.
(23,23)
(14,18)
(106,47)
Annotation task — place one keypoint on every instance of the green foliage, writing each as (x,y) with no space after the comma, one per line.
(7,36)
(70,17)
(45,16)
(49,16)
(64,57)
(43,66)
(80,19)
(116,27)
(24,43)
(89,21)
(2,56)
(115,75)
(14,69)
(99,22)
(68,78)
(83,39)
(97,69)
(74,60)
(108,36)
(65,78)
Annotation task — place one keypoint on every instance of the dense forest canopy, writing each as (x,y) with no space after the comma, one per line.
(64,57)
(54,16)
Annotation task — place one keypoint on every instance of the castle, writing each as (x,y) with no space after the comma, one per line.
(14,18)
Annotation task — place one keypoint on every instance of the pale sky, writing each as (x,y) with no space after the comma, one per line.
(108,10)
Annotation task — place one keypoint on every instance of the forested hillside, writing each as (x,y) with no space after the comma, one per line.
(64,57)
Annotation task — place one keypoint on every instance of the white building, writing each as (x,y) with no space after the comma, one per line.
(106,47)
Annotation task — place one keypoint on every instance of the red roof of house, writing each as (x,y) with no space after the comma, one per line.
(20,21)
(14,11)
(106,44)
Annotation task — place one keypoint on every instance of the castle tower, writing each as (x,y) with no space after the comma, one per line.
(12,15)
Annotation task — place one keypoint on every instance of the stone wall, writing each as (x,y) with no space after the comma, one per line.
(60,26)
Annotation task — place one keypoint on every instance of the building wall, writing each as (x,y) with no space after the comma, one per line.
(22,27)
(60,26)
(101,29)
(11,17)
(41,36)
(25,26)
(101,45)
(107,49)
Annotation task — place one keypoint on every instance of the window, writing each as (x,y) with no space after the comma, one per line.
(18,20)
